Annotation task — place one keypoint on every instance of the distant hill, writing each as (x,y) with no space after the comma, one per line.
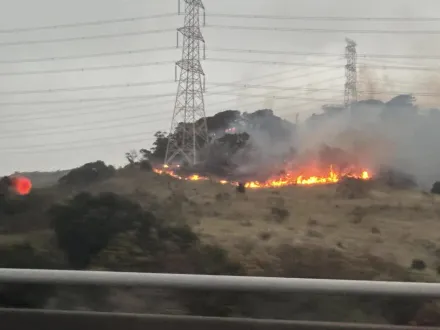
(43,179)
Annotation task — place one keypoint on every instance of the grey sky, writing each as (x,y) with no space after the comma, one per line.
(50,136)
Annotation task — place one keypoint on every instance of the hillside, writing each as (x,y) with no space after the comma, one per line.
(317,231)
(370,223)
(43,179)
(394,225)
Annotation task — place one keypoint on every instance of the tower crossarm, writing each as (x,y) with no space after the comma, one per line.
(191,66)
(195,3)
(191,32)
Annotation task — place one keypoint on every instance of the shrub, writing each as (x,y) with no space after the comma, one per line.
(279,214)
(436,188)
(145,165)
(13,205)
(88,173)
(85,224)
(418,264)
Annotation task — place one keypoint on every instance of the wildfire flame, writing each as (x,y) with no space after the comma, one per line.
(287,179)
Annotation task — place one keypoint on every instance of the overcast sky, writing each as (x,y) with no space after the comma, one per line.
(44,136)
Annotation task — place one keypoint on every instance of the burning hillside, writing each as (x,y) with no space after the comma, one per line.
(332,166)
(263,151)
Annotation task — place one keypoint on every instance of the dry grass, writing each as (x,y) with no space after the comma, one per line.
(394,225)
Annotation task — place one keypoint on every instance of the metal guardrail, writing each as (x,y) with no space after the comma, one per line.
(217,282)
(47,320)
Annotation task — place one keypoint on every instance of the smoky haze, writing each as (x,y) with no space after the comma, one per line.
(398,136)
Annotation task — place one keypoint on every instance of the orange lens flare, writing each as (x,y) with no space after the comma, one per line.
(22,185)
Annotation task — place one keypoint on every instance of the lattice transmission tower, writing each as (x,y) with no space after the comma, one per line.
(189,130)
(350,93)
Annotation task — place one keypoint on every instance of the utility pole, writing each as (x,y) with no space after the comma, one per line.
(189,130)
(350,93)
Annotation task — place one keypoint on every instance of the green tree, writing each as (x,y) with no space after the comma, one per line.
(132,157)
(85,224)
(88,173)
(159,149)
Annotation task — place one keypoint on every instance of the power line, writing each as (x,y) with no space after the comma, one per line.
(131,85)
(290,105)
(134,97)
(318,65)
(68,147)
(316,30)
(219,15)
(116,123)
(127,85)
(73,144)
(102,142)
(307,89)
(86,88)
(304,64)
(94,55)
(78,110)
(274,97)
(24,116)
(124,107)
(68,142)
(213,49)
(93,68)
(278,88)
(278,52)
(71,112)
(159,118)
(84,38)
(328,18)
(399,67)
(66,113)
(90,23)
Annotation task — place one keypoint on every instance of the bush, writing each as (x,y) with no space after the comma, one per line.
(85,225)
(279,214)
(111,232)
(396,179)
(145,165)
(13,204)
(436,188)
(88,173)
(418,264)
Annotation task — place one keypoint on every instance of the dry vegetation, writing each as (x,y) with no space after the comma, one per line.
(394,225)
(352,230)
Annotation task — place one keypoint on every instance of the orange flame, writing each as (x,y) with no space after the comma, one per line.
(288,179)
